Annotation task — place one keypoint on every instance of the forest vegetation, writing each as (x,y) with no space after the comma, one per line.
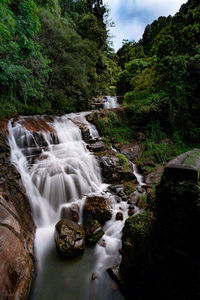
(160,79)
(56,56)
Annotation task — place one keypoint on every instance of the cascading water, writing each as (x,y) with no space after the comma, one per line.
(62,173)
(111,102)
(58,170)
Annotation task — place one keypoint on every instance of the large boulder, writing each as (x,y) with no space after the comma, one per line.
(93,232)
(96,147)
(113,171)
(71,213)
(69,238)
(96,208)
(135,255)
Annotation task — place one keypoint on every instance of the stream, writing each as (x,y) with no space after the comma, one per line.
(57,171)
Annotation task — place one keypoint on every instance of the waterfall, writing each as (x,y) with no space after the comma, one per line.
(111,102)
(62,173)
(57,171)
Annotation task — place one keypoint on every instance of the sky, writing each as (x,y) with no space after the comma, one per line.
(132,16)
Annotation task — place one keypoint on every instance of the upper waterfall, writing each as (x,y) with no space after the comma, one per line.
(111,102)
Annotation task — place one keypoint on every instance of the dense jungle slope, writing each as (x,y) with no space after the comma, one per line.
(160,77)
(54,55)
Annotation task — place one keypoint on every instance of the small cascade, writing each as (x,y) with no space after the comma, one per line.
(138,176)
(107,249)
(111,102)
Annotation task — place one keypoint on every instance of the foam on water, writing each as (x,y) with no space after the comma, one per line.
(111,102)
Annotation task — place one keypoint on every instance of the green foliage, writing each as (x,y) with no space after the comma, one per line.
(69,62)
(142,201)
(193,159)
(88,27)
(160,75)
(113,126)
(129,188)
(23,69)
(54,55)
(154,131)
(138,227)
(123,160)
(149,169)
(158,152)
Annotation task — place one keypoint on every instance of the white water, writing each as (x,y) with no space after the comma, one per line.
(63,174)
(111,102)
(138,176)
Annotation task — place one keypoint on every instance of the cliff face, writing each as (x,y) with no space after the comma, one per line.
(16,229)
(162,261)
(175,240)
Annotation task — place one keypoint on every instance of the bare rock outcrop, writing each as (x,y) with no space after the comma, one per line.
(16,230)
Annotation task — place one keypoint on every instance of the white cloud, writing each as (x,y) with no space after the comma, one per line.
(131,16)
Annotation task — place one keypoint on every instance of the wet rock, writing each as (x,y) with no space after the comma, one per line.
(98,105)
(140,190)
(121,194)
(114,188)
(69,238)
(132,150)
(102,243)
(93,232)
(146,186)
(96,147)
(115,275)
(96,208)
(36,124)
(113,171)
(131,212)
(16,230)
(4,127)
(118,199)
(85,131)
(124,198)
(120,190)
(119,216)
(133,199)
(86,134)
(155,176)
(71,213)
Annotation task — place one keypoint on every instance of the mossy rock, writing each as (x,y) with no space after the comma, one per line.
(93,232)
(69,238)
(96,208)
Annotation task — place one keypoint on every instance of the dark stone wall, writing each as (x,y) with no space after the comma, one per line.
(169,267)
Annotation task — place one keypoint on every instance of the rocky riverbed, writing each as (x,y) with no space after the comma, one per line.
(124,195)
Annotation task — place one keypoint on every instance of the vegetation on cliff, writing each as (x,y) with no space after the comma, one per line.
(160,78)
(54,55)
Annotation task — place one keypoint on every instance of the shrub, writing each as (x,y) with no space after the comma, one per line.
(123,160)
